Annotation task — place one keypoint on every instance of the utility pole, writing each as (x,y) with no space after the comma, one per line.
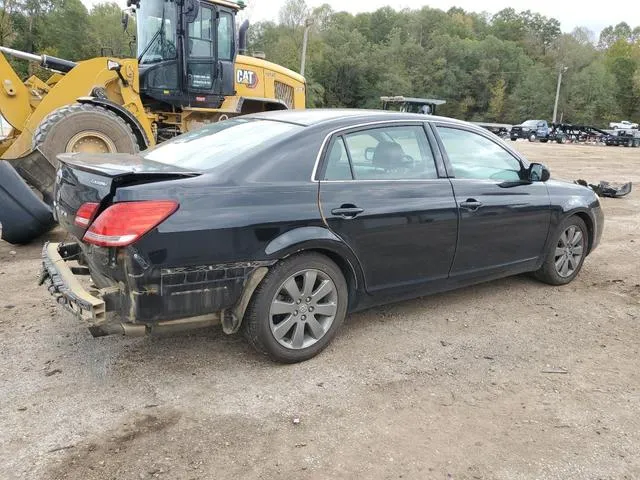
(555,106)
(307,25)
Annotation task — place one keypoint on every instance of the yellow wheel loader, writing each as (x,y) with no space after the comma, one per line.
(190,70)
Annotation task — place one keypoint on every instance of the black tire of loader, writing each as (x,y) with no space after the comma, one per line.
(57,128)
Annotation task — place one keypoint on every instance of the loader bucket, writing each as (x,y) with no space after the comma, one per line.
(23,216)
(38,172)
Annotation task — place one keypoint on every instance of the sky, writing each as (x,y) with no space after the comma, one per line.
(570,13)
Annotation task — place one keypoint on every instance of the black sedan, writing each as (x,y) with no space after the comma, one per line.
(279,224)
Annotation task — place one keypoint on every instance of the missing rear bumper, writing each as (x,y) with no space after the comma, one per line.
(177,307)
(65,287)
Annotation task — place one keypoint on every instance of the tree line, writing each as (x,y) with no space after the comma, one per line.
(62,28)
(500,68)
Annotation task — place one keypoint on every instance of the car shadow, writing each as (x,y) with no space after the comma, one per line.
(210,346)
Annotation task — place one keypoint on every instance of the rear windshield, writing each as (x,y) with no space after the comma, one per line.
(220,143)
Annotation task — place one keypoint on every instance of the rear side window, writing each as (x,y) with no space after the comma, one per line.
(225,36)
(383,153)
(220,143)
(474,156)
(338,167)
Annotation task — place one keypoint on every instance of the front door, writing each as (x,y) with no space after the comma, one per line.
(210,55)
(504,219)
(381,193)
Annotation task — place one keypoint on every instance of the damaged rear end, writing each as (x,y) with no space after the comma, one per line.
(118,273)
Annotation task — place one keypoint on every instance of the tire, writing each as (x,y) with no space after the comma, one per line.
(513,139)
(550,272)
(58,132)
(260,322)
(629,143)
(532,137)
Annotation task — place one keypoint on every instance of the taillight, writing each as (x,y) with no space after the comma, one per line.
(85,214)
(124,223)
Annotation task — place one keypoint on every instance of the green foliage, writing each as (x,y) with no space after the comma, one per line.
(501,68)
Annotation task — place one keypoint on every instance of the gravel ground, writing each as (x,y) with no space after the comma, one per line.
(452,386)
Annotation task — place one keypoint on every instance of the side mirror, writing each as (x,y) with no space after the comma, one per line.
(369,152)
(125,21)
(191,9)
(538,173)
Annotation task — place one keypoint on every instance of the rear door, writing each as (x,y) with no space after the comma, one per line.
(504,220)
(382,193)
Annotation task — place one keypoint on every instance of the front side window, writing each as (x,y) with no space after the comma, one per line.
(474,156)
(384,153)
(220,143)
(157,25)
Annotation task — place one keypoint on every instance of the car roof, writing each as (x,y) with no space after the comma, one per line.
(317,116)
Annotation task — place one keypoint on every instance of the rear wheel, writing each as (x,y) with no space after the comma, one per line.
(297,308)
(83,128)
(566,254)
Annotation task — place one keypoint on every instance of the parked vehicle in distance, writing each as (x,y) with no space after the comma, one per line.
(626,138)
(624,124)
(532,130)
(315,214)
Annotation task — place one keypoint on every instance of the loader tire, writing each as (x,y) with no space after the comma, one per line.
(83,128)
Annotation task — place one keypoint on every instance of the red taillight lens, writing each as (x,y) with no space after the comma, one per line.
(85,214)
(124,223)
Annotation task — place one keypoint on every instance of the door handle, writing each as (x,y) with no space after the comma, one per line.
(347,211)
(471,204)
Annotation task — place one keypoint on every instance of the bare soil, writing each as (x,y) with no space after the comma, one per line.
(507,380)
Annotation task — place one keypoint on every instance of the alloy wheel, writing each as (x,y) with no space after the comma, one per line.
(569,251)
(303,309)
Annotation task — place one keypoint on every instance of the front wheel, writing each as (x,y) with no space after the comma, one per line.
(566,254)
(532,137)
(83,128)
(297,309)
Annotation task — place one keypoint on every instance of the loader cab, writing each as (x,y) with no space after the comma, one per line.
(186,51)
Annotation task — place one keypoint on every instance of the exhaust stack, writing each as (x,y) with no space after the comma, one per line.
(242,37)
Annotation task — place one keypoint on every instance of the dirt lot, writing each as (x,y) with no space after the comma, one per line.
(449,386)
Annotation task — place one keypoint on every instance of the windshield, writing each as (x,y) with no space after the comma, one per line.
(220,143)
(531,123)
(156,24)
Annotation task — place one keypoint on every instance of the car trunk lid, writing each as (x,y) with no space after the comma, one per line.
(94,178)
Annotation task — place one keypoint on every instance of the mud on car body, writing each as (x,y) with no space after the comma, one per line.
(280,223)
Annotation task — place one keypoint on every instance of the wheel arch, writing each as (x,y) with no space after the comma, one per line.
(325,242)
(138,130)
(588,221)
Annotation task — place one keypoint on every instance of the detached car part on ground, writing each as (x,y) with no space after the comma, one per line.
(279,224)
